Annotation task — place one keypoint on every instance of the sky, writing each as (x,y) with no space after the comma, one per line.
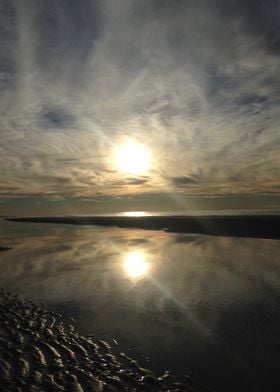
(195,83)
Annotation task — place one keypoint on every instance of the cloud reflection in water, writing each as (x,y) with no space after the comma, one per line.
(202,301)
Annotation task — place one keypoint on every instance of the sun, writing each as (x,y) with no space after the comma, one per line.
(133,158)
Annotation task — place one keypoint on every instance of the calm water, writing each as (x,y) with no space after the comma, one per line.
(201,305)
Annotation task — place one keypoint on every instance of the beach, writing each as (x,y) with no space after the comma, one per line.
(134,304)
(41,351)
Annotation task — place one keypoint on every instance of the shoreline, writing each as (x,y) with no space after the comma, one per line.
(251,226)
(40,351)
(4,248)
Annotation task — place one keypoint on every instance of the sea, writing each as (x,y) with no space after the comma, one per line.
(197,305)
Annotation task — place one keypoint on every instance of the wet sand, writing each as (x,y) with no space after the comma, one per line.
(41,351)
(255,226)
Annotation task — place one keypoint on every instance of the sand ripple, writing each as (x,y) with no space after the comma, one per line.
(39,351)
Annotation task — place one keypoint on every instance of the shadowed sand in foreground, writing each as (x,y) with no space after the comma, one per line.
(42,352)
(262,226)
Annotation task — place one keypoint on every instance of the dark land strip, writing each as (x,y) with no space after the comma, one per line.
(256,226)
(3,248)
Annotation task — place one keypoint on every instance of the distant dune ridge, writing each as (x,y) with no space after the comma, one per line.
(257,226)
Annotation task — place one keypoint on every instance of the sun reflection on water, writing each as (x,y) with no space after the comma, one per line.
(134,213)
(135,264)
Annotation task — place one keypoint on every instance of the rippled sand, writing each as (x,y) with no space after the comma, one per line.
(40,351)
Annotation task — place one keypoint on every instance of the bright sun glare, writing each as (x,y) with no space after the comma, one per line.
(135,264)
(134,214)
(133,158)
